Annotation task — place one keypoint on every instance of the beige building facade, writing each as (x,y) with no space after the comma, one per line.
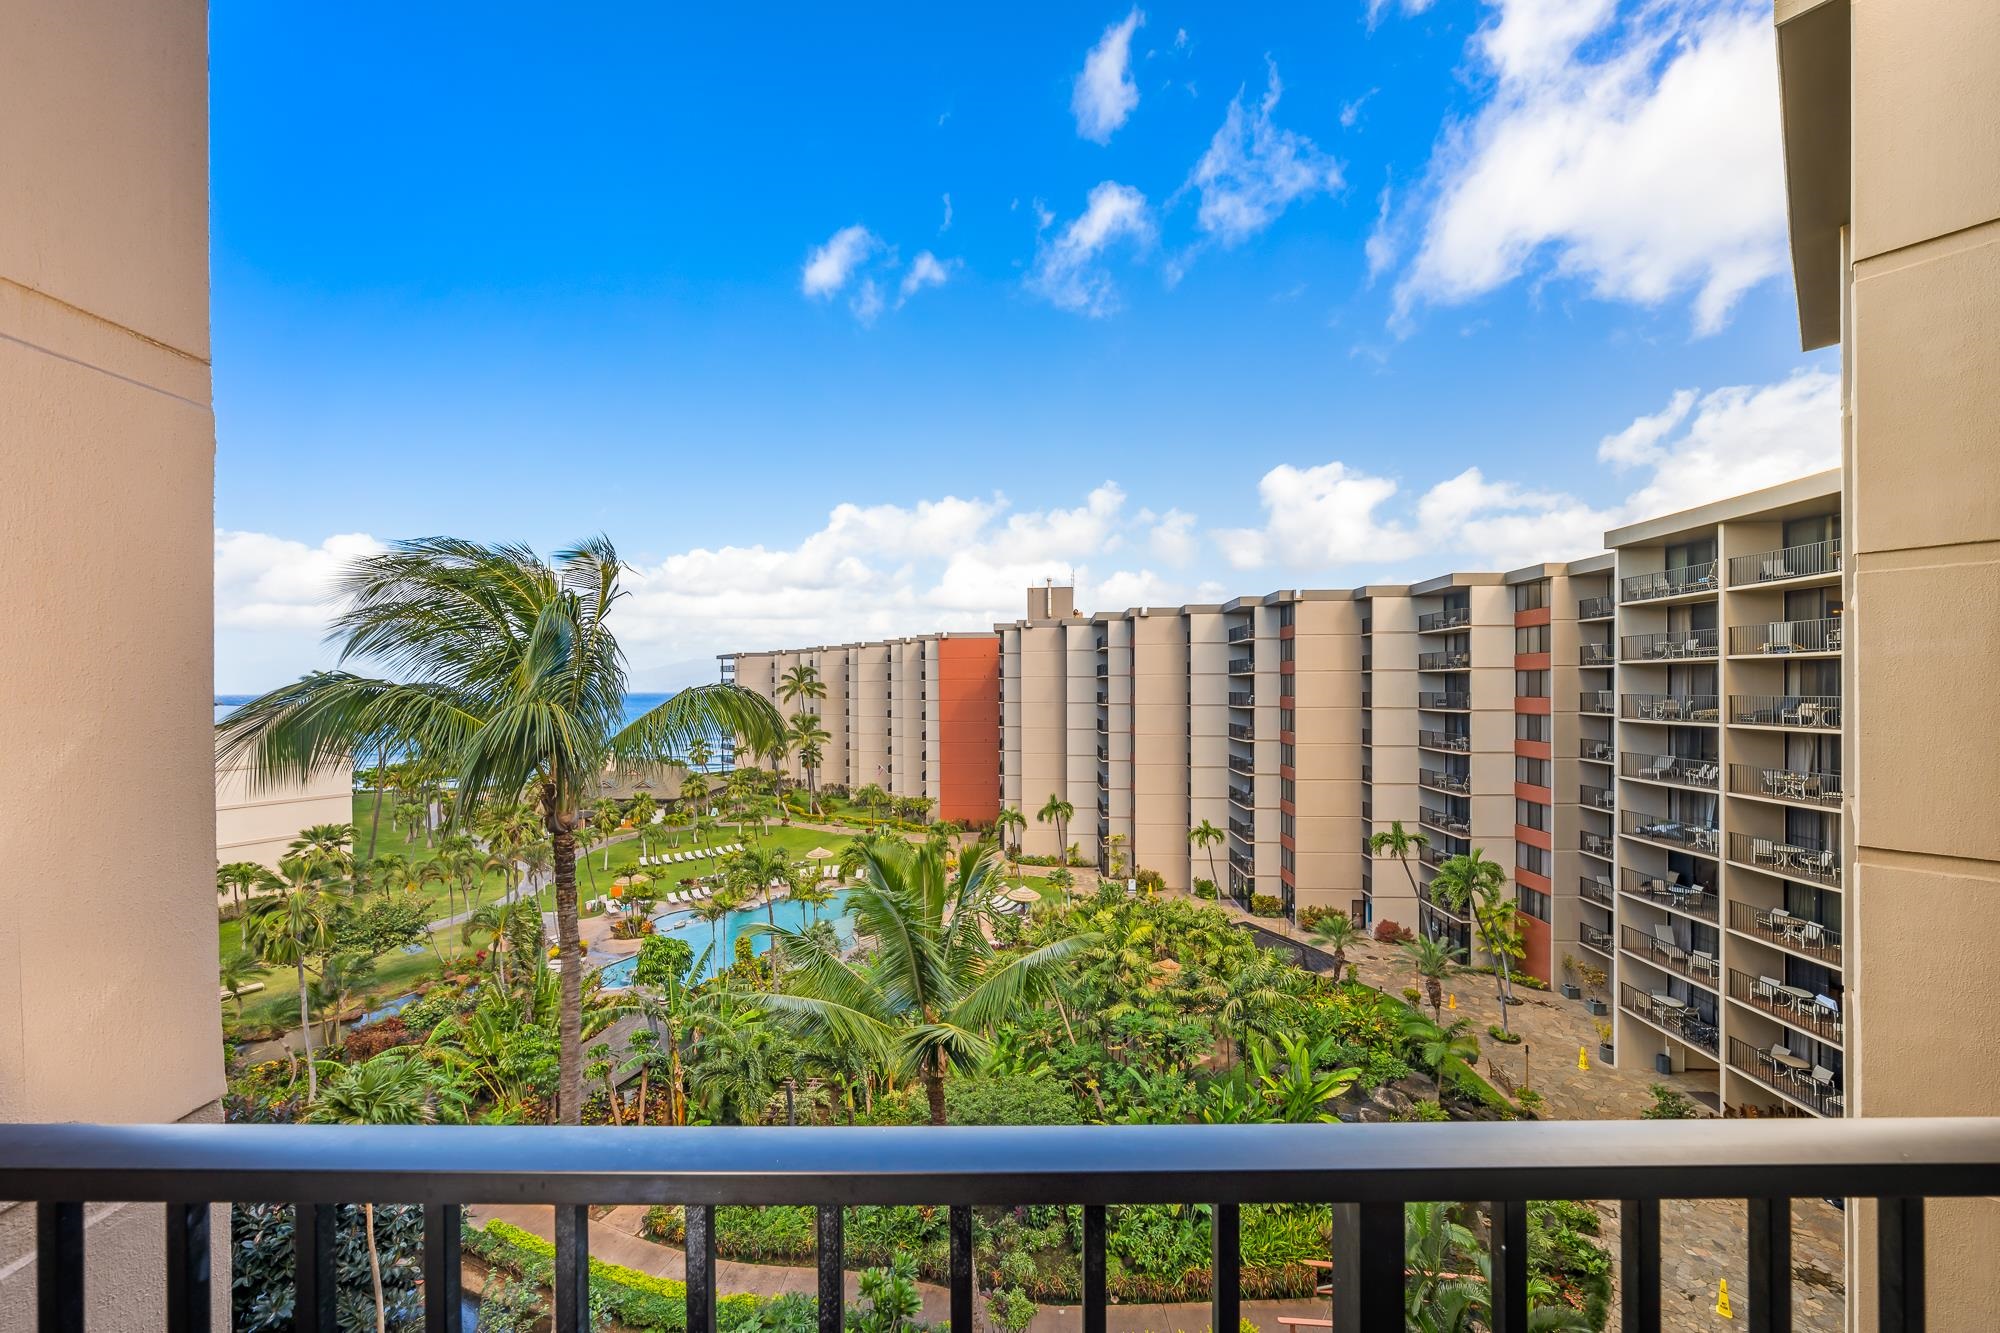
(256,822)
(106,482)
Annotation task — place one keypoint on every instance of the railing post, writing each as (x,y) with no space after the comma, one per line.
(1770,1234)
(1225,1269)
(443,1298)
(1899,1265)
(59,1267)
(572,1278)
(187,1268)
(961,1269)
(1510,1266)
(1093,1268)
(1639,1265)
(700,1267)
(313,1273)
(830,1253)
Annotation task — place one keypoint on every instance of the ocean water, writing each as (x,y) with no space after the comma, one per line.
(635,704)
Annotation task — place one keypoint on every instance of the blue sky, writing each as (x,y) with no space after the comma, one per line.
(1223,299)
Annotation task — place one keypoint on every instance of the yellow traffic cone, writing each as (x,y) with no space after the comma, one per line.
(1722,1300)
(1582,1060)
(1451,1001)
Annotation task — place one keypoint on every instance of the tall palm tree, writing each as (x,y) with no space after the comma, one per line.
(699,753)
(501,668)
(712,910)
(801,682)
(1009,824)
(1057,811)
(285,931)
(1207,835)
(242,878)
(604,819)
(238,970)
(1335,933)
(809,739)
(393,1088)
(1401,843)
(1431,960)
(935,988)
(694,794)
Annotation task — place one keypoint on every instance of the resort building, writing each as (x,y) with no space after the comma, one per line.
(257,822)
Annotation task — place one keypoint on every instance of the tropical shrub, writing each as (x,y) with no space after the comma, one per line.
(1205,888)
(1266,904)
(1503,1036)
(1670,1104)
(1388,932)
(1425,1111)
(1151,881)
(262,1261)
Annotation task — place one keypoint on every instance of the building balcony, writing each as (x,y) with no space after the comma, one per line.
(1596,703)
(1243,829)
(1672,1016)
(1238,633)
(1786,638)
(1437,622)
(1596,608)
(1458,661)
(1431,904)
(1103,669)
(1437,780)
(1242,666)
(1240,732)
(1590,937)
(1666,831)
(1596,798)
(1658,949)
(1793,712)
(1444,823)
(1774,856)
(1687,581)
(1433,856)
(1674,709)
(1242,699)
(1794,1006)
(1596,751)
(1775,1066)
(1103,727)
(1239,764)
(1782,930)
(1452,742)
(1688,645)
(1665,889)
(1595,889)
(1103,781)
(1594,844)
(1673,770)
(1246,797)
(1103,754)
(1792,786)
(1815,561)
(1367,698)
(1444,701)
(1596,655)
(1103,698)
(1245,863)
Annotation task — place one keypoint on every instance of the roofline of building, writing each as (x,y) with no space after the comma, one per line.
(1802,490)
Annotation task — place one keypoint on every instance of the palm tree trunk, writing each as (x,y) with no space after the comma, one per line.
(934,1087)
(306,1035)
(375,1269)
(375,820)
(569,1016)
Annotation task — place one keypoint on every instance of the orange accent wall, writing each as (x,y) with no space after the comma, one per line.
(1536,942)
(1539,616)
(969,730)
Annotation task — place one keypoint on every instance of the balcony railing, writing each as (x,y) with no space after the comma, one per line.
(1695,965)
(1441,781)
(1685,708)
(1460,661)
(1446,823)
(1103,698)
(1685,645)
(1671,832)
(1680,771)
(1596,702)
(1242,698)
(1449,701)
(1434,621)
(1456,742)
(1239,764)
(1596,608)
(1243,862)
(1433,856)
(1776,1066)
(1238,633)
(1103,669)
(1786,784)
(1596,655)
(1665,889)
(1813,560)
(1662,1010)
(1103,754)
(1594,844)
(1669,582)
(1595,888)
(1243,796)
(1601,752)
(1785,638)
(1590,937)
(1242,666)
(1775,926)
(1103,782)
(1794,1006)
(1367,698)
(1817,865)
(1808,712)
(1597,798)
(1243,829)
(1240,732)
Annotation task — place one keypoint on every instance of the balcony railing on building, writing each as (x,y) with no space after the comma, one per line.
(1103,669)
(1455,741)
(1795,1006)
(1238,633)
(1698,709)
(1812,560)
(1658,947)
(1819,865)
(1103,754)
(1677,646)
(1239,732)
(1786,784)
(1596,798)
(1597,751)
(1434,621)
(1439,780)
(1240,764)
(1458,661)
(1243,862)
(1676,770)
(1446,823)
(1103,781)
(1594,844)
(1449,701)
(1595,888)
(1779,1067)
(1243,829)
(1599,703)
(1675,1016)
(1242,666)
(1103,698)
(1807,712)
(1669,583)
(1665,830)
(1596,655)
(1785,930)
(1431,902)
(1785,638)
(1590,937)
(1665,888)
(1242,698)
(1245,796)
(1367,698)
(1596,608)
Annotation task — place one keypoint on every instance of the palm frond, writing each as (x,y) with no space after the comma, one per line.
(1018,981)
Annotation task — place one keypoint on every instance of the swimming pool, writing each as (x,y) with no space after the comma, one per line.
(791,915)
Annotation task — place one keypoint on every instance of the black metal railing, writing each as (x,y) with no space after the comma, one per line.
(1239,764)
(1785,784)
(1432,622)
(1785,638)
(1243,829)
(1456,783)
(1243,796)
(1242,698)
(1817,865)
(1103,669)
(1238,633)
(1242,666)
(1666,890)
(1456,742)
(1668,582)
(1590,937)
(1456,701)
(1810,712)
(1595,888)
(1596,608)
(1685,834)
(1794,1006)
(1788,562)
(1679,770)
(1775,926)
(1594,844)
(1683,1021)
(1596,702)
(1103,698)
(1446,823)
(1700,708)
(1367,698)
(1597,798)
(1241,732)
(1777,1066)
(1680,645)
(1695,965)
(1598,751)
(1367,1172)
(1458,661)
(1596,654)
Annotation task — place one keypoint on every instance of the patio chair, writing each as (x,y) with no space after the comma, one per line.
(1805,715)
(1775,569)
(1704,963)
(1822,1080)
(1765,989)
(1662,765)
(1663,944)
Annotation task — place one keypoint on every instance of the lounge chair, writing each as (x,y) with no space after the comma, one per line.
(1775,569)
(1662,765)
(1822,1080)
(1765,989)
(1704,963)
(1663,944)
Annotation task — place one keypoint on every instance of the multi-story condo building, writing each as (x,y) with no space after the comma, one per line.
(1729,921)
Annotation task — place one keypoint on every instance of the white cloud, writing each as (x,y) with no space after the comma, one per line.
(1316,517)
(1105,93)
(1381,246)
(926,270)
(266,582)
(1253,170)
(1729,441)
(1350,112)
(1641,159)
(867,302)
(1410,8)
(829,266)
(1066,272)
(1173,538)
(945,226)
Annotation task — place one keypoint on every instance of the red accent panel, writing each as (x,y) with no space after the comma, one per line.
(1534,749)
(1288,738)
(1534,837)
(1538,617)
(1531,661)
(968,686)
(1288,668)
(1524,791)
(1523,704)
(1535,938)
(1530,879)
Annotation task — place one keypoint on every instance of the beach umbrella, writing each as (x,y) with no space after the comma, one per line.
(1021,893)
(819,854)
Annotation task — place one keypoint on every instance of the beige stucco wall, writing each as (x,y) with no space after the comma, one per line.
(106,484)
(255,822)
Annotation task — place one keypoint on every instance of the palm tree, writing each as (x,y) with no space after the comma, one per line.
(870,798)
(641,813)
(699,753)
(604,820)
(1207,835)
(809,738)
(1009,824)
(1336,933)
(288,929)
(1400,842)
(1448,1050)
(801,682)
(502,669)
(1431,960)
(1064,880)
(712,910)
(694,794)
(242,878)
(1057,811)
(935,988)
(238,970)
(393,1088)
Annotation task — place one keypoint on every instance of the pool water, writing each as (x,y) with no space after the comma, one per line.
(791,915)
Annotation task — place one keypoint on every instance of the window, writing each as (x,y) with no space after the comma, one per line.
(1287,756)
(1286,719)
(1287,791)
(1534,772)
(1285,649)
(1532,901)
(1531,684)
(1531,639)
(1531,596)
(1287,824)
(1534,860)
(1531,726)
(1284,615)
(1531,814)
